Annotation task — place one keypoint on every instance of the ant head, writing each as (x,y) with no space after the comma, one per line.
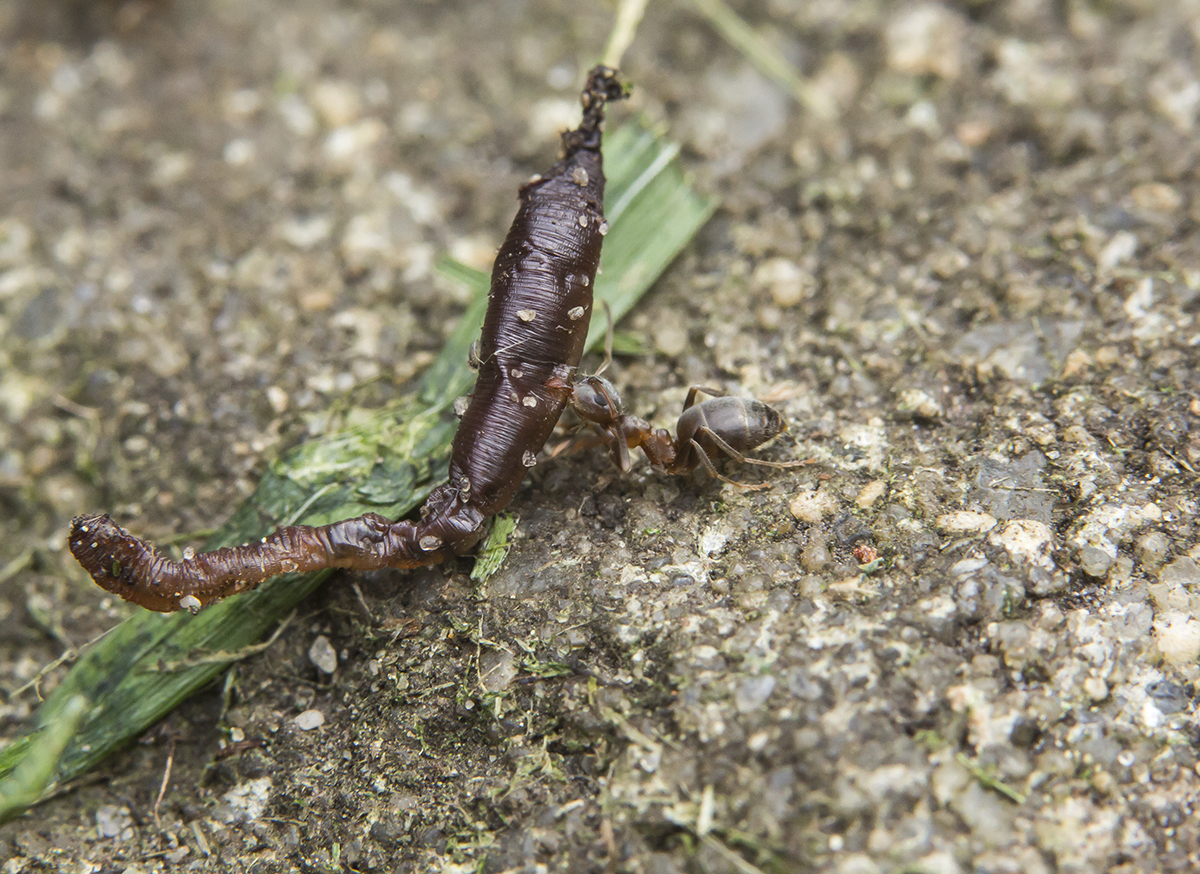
(596,399)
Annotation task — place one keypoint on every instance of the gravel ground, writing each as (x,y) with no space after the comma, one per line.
(965,639)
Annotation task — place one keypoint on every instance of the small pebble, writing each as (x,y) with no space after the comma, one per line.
(650,762)
(962,522)
(713,539)
(1178,638)
(338,102)
(305,232)
(671,338)
(277,398)
(1156,197)
(1026,540)
(917,404)
(245,802)
(310,719)
(787,282)
(753,692)
(350,141)
(497,670)
(870,493)
(112,820)
(926,39)
(1076,363)
(815,556)
(239,152)
(1183,571)
(1116,251)
(812,507)
(1095,688)
(1094,561)
(941,862)
(323,655)
(1050,616)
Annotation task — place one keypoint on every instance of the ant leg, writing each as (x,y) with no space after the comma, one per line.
(737,456)
(696,389)
(712,470)
(620,447)
(621,451)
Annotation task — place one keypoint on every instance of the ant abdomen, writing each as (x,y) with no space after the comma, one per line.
(742,424)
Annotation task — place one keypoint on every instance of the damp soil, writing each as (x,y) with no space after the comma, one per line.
(964,638)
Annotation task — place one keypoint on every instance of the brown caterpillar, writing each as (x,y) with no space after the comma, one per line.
(539,309)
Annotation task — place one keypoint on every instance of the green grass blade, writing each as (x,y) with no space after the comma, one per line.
(448,376)
(491,553)
(387,463)
(35,758)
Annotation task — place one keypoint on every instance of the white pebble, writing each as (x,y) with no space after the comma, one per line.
(310,719)
(239,152)
(870,493)
(347,142)
(323,655)
(1026,540)
(962,522)
(787,282)
(1178,638)
(812,507)
(926,39)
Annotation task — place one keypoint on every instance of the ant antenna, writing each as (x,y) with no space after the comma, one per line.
(608,341)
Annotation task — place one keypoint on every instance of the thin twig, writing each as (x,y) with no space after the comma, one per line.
(736,861)
(162,789)
(223,656)
(763,55)
(69,654)
(629,16)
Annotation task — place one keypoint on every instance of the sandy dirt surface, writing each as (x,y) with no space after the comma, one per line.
(965,639)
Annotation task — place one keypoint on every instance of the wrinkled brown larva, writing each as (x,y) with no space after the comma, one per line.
(539,309)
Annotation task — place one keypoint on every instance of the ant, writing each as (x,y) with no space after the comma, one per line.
(721,425)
